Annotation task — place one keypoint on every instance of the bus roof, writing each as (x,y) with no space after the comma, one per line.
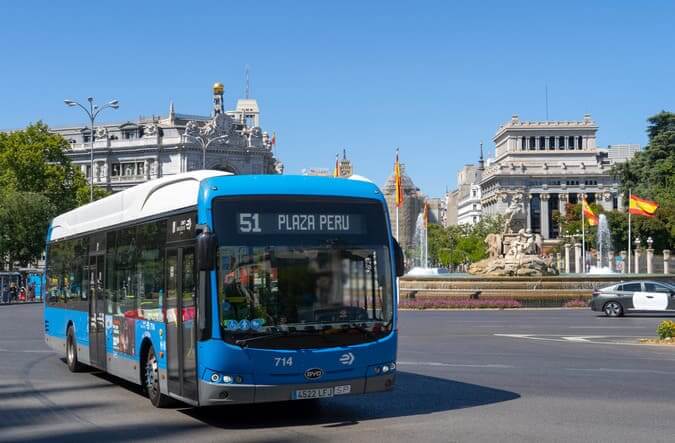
(165,194)
(181,191)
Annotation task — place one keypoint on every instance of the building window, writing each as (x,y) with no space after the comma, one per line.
(561,142)
(532,142)
(87,171)
(571,142)
(580,145)
(129,134)
(473,192)
(542,143)
(535,214)
(522,143)
(615,202)
(115,172)
(86,138)
(551,142)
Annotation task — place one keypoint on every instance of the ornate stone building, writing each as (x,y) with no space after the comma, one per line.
(133,152)
(547,165)
(413,203)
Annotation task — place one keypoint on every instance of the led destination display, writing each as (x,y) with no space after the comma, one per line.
(299,223)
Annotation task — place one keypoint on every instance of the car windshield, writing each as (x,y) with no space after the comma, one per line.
(306,288)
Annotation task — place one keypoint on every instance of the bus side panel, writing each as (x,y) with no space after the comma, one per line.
(124,347)
(56,328)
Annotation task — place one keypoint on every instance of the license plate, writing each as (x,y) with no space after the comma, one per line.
(302,394)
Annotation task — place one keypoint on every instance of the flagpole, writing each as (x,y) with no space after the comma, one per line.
(396,222)
(583,236)
(629,232)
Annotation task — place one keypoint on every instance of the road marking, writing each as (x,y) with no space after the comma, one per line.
(37,351)
(590,339)
(646,371)
(453,365)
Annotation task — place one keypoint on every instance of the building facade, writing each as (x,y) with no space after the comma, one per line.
(543,166)
(129,153)
(413,203)
(622,152)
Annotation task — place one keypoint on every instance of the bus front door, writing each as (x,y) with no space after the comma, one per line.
(181,317)
(97,308)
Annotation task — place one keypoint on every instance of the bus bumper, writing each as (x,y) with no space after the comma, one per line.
(219,394)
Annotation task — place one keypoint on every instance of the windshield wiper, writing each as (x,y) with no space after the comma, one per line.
(243,342)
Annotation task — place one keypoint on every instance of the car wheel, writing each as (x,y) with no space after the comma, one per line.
(71,352)
(156,397)
(613,309)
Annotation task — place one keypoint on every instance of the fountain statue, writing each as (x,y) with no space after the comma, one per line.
(514,253)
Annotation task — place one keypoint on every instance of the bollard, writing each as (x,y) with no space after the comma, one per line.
(577,258)
(559,263)
(568,265)
(636,269)
(666,261)
(650,261)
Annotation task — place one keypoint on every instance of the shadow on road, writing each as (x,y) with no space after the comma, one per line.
(414,394)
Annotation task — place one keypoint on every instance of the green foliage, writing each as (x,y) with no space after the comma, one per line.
(37,182)
(666,329)
(24,217)
(459,244)
(651,174)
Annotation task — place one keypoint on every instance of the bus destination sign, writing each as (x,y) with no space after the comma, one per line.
(299,223)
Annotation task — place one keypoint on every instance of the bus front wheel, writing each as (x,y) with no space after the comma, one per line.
(71,352)
(156,397)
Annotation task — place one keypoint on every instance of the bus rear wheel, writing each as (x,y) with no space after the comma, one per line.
(71,351)
(151,381)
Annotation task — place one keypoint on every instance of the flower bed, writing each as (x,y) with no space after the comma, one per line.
(441,302)
(576,304)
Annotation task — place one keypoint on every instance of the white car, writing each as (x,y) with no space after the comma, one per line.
(634,296)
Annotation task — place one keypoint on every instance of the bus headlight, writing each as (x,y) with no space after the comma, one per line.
(227,379)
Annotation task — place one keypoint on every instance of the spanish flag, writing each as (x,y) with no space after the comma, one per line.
(589,214)
(640,206)
(426,214)
(397,180)
(336,171)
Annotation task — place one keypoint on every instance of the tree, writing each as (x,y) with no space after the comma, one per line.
(651,174)
(459,244)
(37,182)
(24,217)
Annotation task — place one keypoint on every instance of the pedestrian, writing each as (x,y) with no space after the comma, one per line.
(13,293)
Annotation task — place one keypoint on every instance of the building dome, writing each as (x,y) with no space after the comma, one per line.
(218,88)
(407,183)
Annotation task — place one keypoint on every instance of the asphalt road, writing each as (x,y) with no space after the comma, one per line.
(553,375)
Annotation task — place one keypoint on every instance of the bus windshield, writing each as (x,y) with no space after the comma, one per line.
(302,274)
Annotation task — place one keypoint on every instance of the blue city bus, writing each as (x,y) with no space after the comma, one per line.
(213,289)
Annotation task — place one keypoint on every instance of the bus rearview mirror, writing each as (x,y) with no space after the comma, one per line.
(400,259)
(206,251)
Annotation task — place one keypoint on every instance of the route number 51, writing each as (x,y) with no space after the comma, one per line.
(249,222)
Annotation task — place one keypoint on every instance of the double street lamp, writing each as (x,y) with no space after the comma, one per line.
(92,112)
(204,144)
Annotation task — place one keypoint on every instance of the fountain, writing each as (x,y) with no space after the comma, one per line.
(604,243)
(514,253)
(420,240)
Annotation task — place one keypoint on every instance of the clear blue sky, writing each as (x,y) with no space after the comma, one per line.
(433,78)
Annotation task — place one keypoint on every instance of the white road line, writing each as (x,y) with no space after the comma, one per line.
(579,339)
(619,370)
(452,365)
(38,351)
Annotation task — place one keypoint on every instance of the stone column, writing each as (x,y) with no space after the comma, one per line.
(526,202)
(577,258)
(610,260)
(650,261)
(562,201)
(543,212)
(666,261)
(619,202)
(623,255)
(568,265)
(636,269)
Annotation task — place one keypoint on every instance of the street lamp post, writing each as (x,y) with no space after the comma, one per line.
(92,113)
(204,144)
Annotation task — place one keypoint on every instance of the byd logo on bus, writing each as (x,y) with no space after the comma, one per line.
(314,373)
